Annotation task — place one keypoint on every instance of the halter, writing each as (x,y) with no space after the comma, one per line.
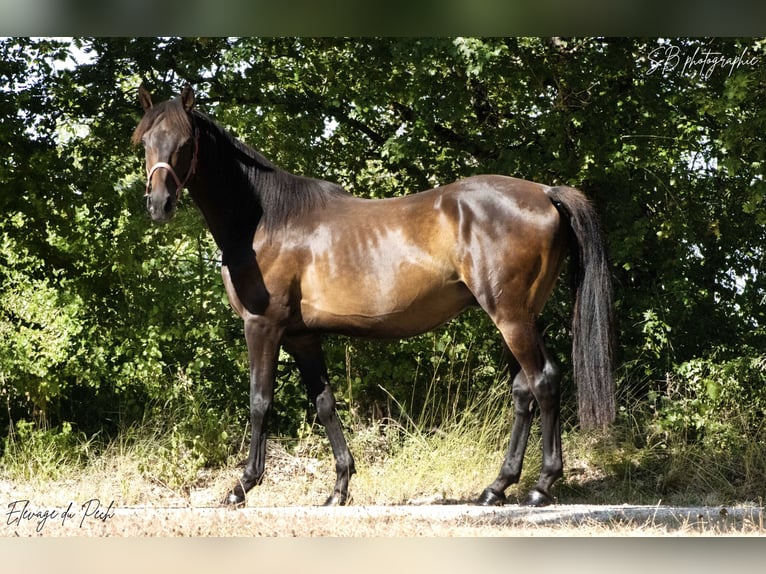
(166,166)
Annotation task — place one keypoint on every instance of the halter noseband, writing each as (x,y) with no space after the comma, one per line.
(166,166)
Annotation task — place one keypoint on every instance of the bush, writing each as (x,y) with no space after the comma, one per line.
(720,405)
(32,452)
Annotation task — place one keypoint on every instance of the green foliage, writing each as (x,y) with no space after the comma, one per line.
(103,316)
(720,405)
(35,453)
(183,434)
(39,330)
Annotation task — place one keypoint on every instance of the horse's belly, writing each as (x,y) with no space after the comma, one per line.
(398,313)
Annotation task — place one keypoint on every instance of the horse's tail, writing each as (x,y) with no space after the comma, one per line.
(593,320)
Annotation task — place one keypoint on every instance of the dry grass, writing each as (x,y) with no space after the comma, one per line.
(148,485)
(387,495)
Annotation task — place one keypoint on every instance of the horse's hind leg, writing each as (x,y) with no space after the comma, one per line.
(537,381)
(510,471)
(547,392)
(309,358)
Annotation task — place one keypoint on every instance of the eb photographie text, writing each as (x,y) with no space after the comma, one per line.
(700,61)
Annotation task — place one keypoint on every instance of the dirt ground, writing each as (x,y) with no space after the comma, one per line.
(101,518)
(118,502)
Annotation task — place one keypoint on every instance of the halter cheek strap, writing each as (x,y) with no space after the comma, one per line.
(166,166)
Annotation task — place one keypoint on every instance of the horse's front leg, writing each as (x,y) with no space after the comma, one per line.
(263,339)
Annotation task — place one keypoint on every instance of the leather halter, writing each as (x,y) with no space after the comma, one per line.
(166,166)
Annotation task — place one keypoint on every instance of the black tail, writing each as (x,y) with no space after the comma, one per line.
(593,321)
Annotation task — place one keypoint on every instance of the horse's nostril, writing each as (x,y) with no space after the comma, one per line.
(168,205)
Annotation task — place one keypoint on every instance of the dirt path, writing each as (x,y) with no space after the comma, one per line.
(98,518)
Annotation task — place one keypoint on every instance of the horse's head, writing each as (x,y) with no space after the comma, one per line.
(171,145)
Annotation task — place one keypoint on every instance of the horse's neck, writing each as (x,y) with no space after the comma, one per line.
(232,215)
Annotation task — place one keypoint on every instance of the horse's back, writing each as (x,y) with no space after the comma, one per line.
(402,266)
(504,199)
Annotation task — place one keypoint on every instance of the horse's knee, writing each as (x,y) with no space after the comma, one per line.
(259,406)
(325,404)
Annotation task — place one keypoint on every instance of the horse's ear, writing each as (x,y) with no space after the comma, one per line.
(144,97)
(187,97)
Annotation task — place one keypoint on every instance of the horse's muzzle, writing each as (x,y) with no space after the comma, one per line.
(161,206)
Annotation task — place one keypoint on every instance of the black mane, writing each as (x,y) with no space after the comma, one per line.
(279,194)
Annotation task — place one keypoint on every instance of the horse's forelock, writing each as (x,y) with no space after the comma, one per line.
(172,111)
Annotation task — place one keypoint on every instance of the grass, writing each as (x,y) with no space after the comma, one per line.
(447,457)
(396,467)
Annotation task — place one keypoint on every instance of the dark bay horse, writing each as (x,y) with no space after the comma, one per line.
(302,257)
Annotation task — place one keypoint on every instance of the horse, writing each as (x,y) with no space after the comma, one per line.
(302,257)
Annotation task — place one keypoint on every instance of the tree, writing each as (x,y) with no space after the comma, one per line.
(97,303)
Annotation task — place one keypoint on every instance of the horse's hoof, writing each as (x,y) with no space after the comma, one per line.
(336,499)
(538,498)
(491,498)
(234,500)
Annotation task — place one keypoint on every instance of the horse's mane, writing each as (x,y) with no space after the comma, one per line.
(280,194)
